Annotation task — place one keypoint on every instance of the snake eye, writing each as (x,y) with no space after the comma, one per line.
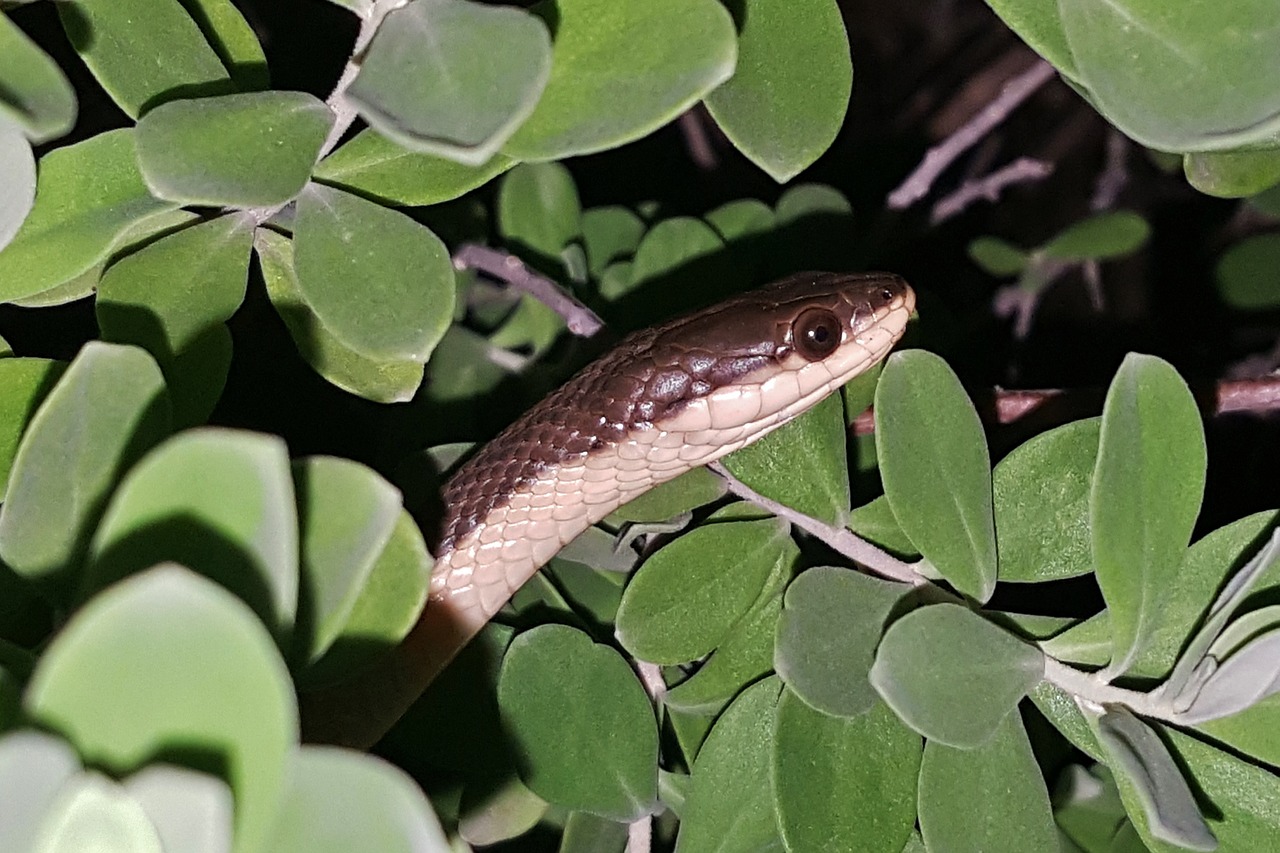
(816,333)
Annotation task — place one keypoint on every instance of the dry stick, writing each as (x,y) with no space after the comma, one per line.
(1021,171)
(1115,172)
(938,158)
(696,139)
(505,267)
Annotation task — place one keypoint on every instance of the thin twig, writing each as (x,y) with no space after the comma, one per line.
(640,835)
(938,158)
(840,539)
(1115,172)
(1021,171)
(508,268)
(693,128)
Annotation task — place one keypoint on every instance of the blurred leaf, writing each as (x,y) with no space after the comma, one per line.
(169,293)
(190,811)
(609,234)
(380,381)
(1087,806)
(666,247)
(405,301)
(986,799)
(247,150)
(1100,237)
(1041,501)
(952,675)
(387,606)
(740,219)
(1040,26)
(499,813)
(17,176)
(1246,273)
(453,77)
(538,208)
(730,805)
(104,413)
(801,464)
(586,833)
(998,257)
(1142,764)
(374,165)
(24,383)
(34,768)
(617,74)
(346,515)
(34,93)
(687,596)
(1205,79)
(95,813)
(218,501)
(557,688)
(843,783)
(338,800)
(1232,174)
(1145,497)
(120,41)
(1268,202)
(936,469)
(167,663)
(786,101)
(826,639)
(88,198)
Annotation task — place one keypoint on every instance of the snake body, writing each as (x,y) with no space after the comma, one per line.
(663,401)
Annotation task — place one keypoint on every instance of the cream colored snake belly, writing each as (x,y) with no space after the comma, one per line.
(663,401)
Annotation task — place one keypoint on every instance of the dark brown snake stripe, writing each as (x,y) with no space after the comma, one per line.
(664,400)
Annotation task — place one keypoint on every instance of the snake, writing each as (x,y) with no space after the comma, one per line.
(663,401)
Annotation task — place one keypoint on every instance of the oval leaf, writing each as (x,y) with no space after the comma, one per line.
(34,93)
(557,687)
(952,675)
(936,469)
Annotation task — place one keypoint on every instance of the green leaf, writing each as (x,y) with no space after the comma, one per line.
(998,257)
(492,813)
(1039,25)
(34,93)
(1246,273)
(609,234)
(952,675)
(189,810)
(1232,174)
(687,596)
(1267,202)
(582,722)
(801,464)
(617,74)
(1100,237)
(936,469)
(380,381)
(168,294)
(827,637)
(346,513)
(24,383)
(221,503)
(247,150)
(687,492)
(538,208)
(404,302)
(18,176)
(741,219)
(120,41)
(105,411)
(34,767)
(88,199)
(233,39)
(987,799)
(94,812)
(338,800)
(586,833)
(375,166)
(730,804)
(876,523)
(453,77)
(387,606)
(786,101)
(1087,806)
(1205,79)
(1144,767)
(168,663)
(666,248)
(1146,494)
(1247,676)
(1041,500)
(843,783)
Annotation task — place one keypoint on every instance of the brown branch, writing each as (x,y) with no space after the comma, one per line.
(1021,171)
(1234,396)
(505,267)
(938,158)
